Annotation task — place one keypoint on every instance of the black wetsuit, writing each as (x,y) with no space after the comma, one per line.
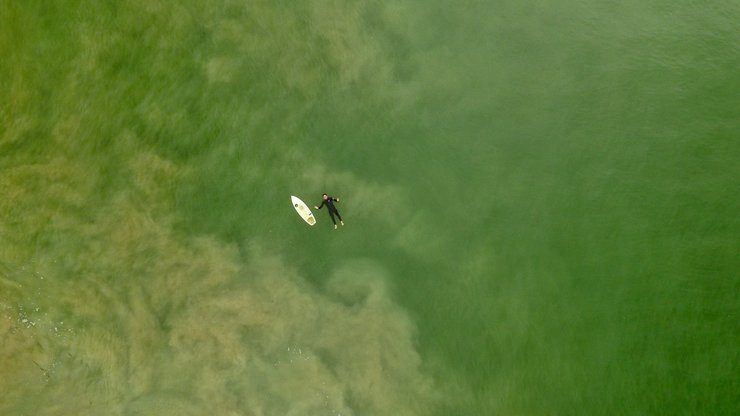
(329,202)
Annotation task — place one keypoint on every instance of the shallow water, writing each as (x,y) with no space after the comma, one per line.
(540,204)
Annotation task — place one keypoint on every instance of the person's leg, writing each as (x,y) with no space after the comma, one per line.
(340,217)
(331,214)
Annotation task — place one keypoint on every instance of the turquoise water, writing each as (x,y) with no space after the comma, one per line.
(540,199)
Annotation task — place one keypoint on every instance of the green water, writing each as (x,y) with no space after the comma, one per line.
(541,205)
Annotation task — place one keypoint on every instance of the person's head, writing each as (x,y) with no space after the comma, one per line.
(325,196)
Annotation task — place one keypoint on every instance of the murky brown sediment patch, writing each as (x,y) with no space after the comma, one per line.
(119,311)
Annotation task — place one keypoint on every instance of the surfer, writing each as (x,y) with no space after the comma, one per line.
(329,202)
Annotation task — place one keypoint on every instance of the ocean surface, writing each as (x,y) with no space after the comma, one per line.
(541,202)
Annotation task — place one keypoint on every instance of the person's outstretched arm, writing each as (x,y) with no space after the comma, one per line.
(319,206)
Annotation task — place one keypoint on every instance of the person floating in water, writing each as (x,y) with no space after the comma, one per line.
(329,202)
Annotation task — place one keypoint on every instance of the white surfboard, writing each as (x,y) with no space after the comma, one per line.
(303,210)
